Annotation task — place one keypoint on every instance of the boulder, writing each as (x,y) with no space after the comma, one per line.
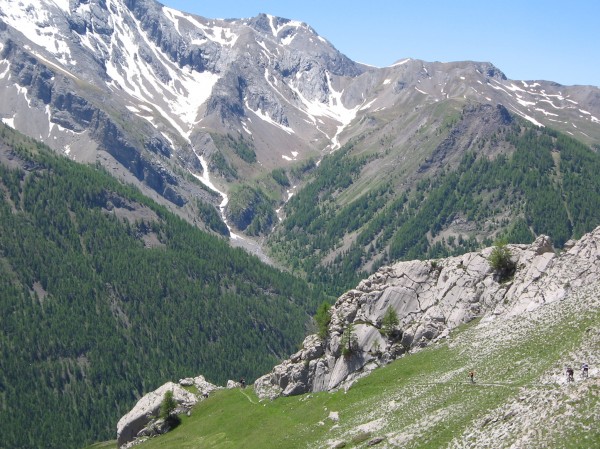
(148,408)
(155,427)
(266,387)
(233,384)
(203,386)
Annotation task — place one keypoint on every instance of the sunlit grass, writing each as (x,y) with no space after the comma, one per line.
(423,400)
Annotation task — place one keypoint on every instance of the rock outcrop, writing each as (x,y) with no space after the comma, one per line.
(429,298)
(139,421)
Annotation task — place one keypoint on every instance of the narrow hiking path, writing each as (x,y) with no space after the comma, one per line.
(502,384)
(248,397)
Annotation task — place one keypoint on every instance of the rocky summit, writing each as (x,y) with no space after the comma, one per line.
(429,298)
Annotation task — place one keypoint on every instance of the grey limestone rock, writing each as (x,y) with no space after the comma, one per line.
(147,408)
(430,298)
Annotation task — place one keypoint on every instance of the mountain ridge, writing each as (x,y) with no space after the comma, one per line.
(291,90)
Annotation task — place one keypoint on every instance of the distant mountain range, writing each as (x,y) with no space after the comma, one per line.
(182,105)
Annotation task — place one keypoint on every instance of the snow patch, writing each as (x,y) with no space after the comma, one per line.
(37,25)
(368,105)
(205,179)
(527,117)
(293,158)
(178,100)
(260,114)
(220,35)
(546,113)
(275,30)
(551,104)
(9,122)
(513,87)
(6,66)
(334,108)
(245,127)
(288,39)
(62,4)
(525,103)
(403,61)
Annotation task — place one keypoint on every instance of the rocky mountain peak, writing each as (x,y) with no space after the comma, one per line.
(150,92)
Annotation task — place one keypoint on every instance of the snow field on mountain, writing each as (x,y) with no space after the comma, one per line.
(36,24)
(178,100)
(220,35)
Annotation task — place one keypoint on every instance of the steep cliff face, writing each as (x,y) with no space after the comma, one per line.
(429,299)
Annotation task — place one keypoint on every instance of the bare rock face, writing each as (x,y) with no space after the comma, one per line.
(429,298)
(148,407)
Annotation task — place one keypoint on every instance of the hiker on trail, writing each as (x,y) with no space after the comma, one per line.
(584,370)
(570,372)
(472,376)
(243,382)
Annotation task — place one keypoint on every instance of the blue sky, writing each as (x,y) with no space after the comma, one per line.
(527,39)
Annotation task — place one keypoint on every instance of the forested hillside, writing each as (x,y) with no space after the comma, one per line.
(105,296)
(546,183)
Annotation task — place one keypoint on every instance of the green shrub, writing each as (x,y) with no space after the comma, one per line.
(390,322)
(322,318)
(349,340)
(168,405)
(501,262)
(280,176)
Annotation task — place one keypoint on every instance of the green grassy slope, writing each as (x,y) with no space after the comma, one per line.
(424,400)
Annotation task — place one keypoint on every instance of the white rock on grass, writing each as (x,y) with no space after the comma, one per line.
(147,408)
